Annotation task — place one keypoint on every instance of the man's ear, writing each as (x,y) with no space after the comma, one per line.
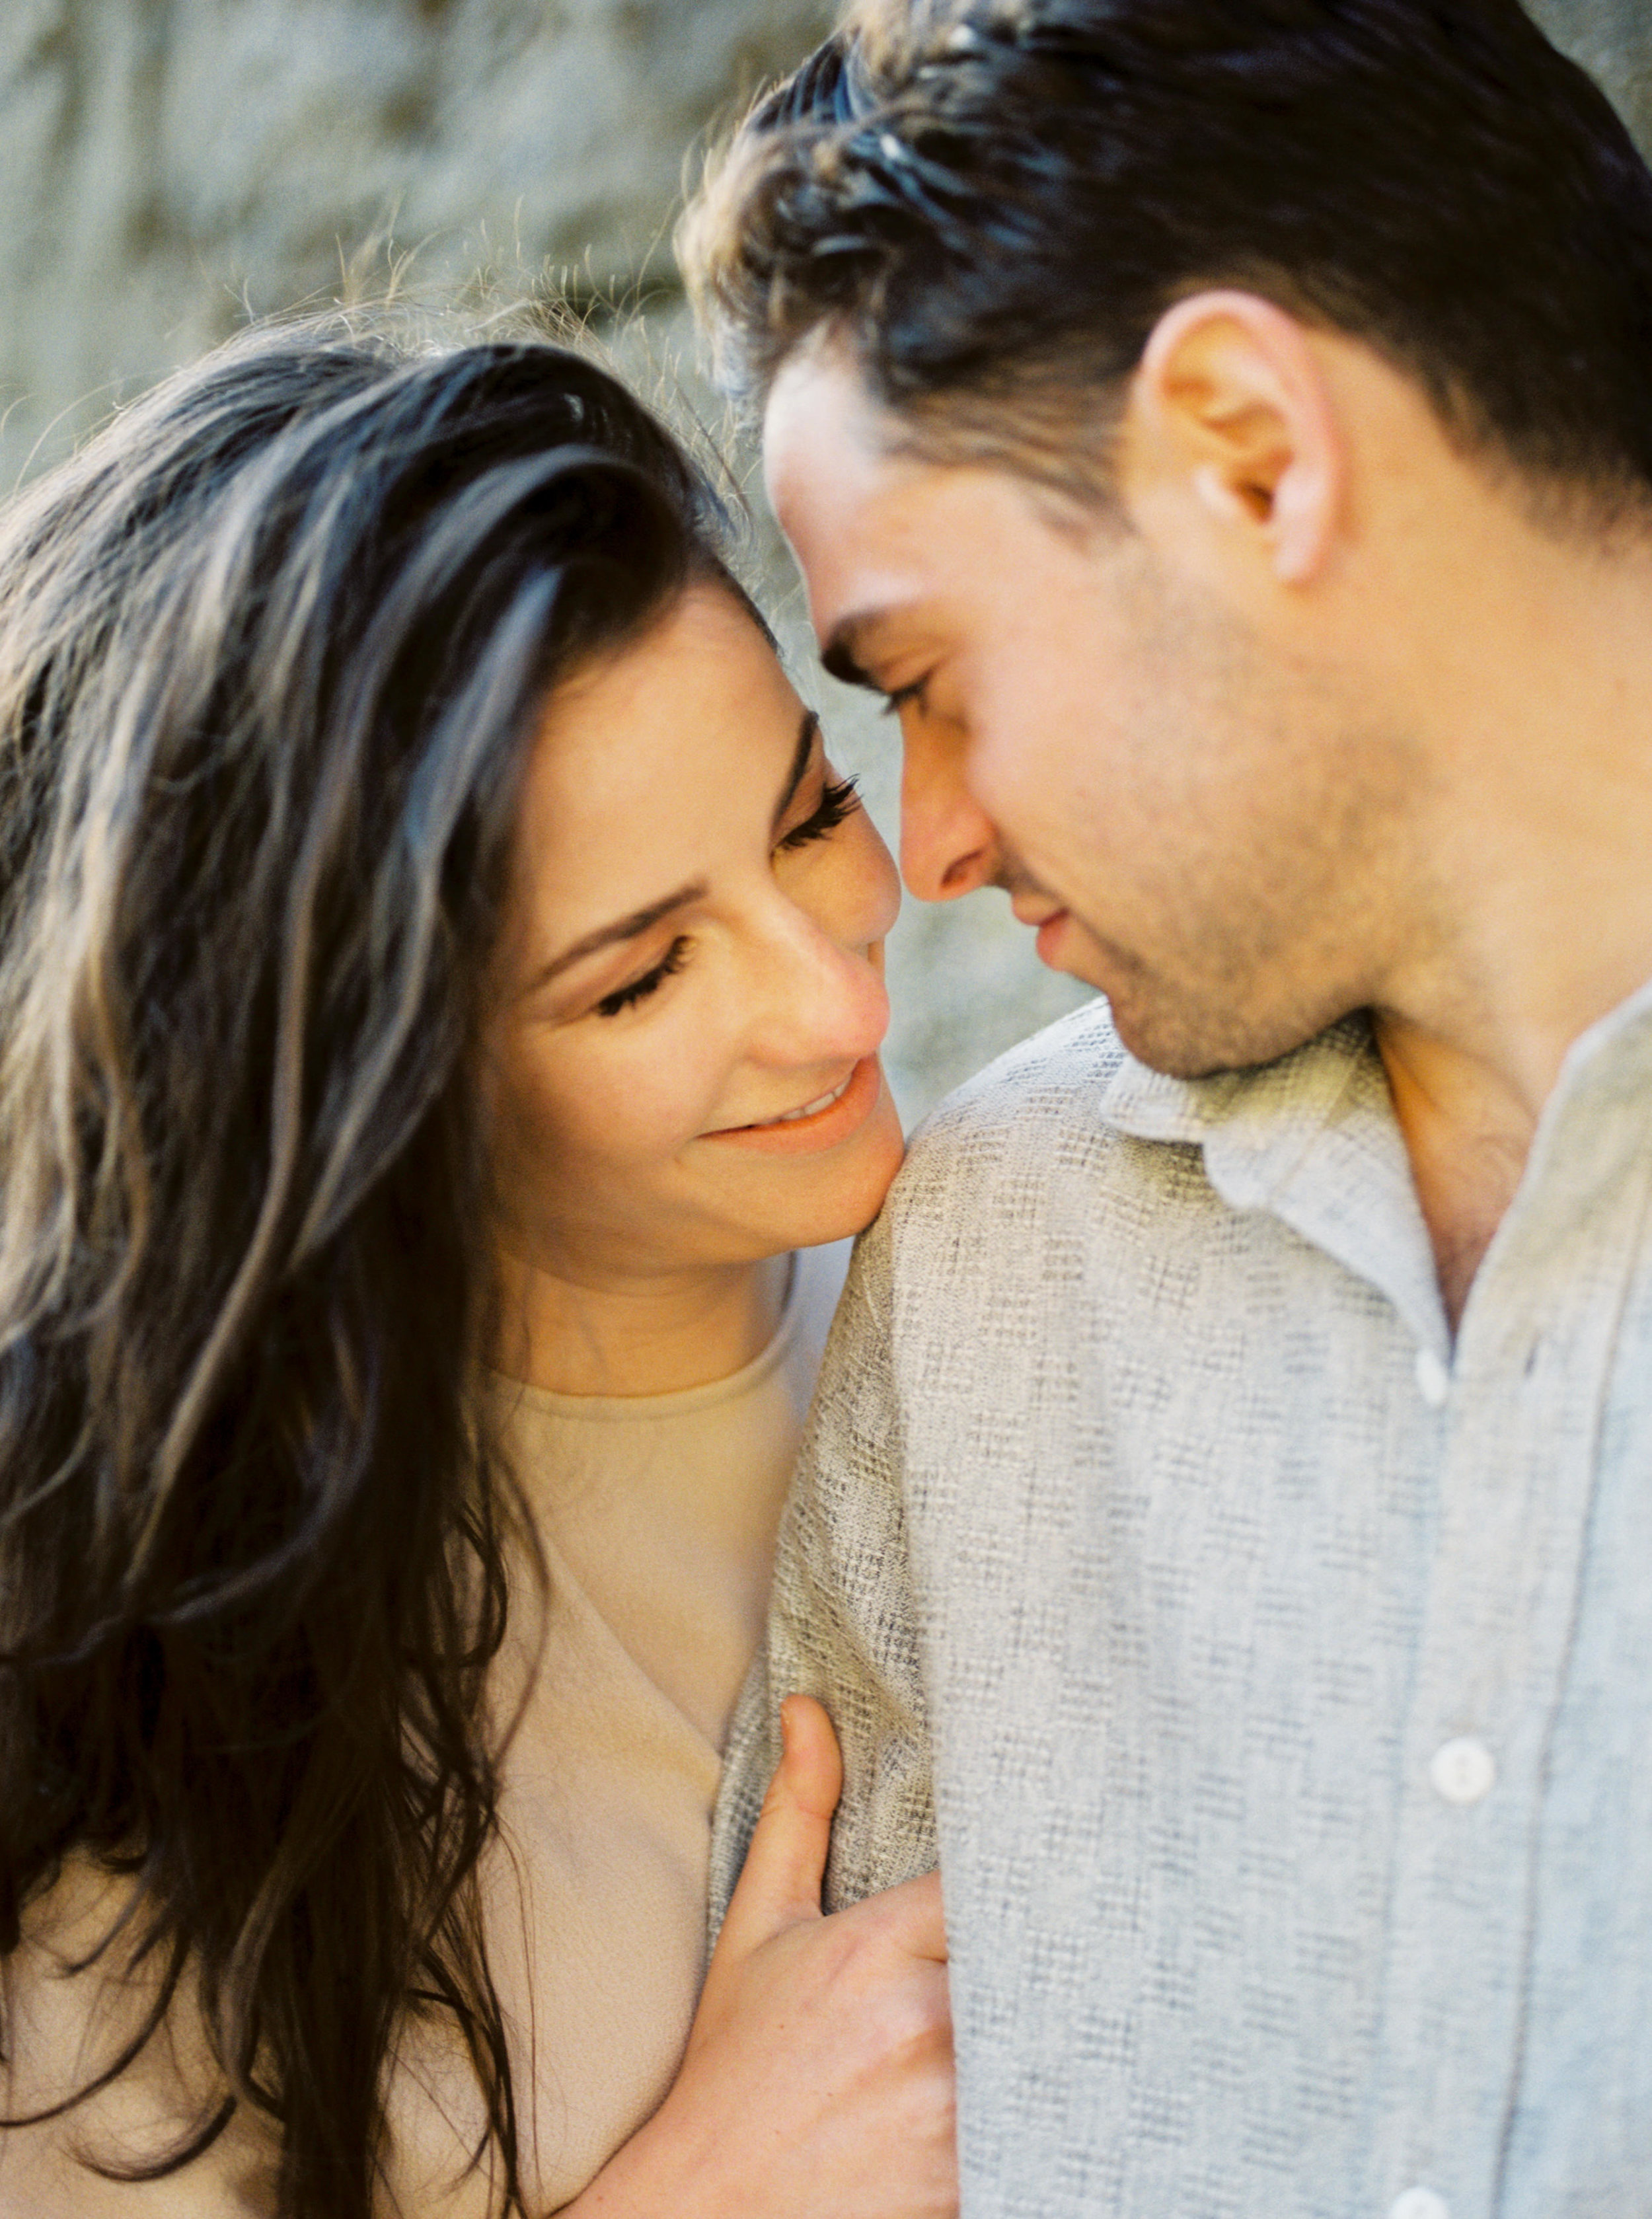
(1230,405)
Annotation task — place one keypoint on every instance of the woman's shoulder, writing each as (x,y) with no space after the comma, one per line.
(74,2001)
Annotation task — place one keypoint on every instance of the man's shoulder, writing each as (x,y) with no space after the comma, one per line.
(1048,1088)
(1026,1174)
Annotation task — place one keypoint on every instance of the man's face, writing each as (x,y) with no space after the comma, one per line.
(1179,802)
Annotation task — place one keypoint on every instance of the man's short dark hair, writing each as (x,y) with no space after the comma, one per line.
(994,201)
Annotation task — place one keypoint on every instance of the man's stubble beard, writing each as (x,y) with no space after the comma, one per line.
(1262,958)
(1268,898)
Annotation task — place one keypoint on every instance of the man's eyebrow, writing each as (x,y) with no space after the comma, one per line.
(840,654)
(624,928)
(808,731)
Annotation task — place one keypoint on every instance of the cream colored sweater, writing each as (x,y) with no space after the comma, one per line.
(659,1515)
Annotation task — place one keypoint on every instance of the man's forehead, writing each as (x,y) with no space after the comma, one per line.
(842,499)
(876,527)
(879,532)
(825,451)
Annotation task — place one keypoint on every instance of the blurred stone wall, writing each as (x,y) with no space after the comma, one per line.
(165,164)
(1612,39)
(168,166)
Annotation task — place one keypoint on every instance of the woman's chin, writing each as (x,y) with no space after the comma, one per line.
(859,1195)
(838,1194)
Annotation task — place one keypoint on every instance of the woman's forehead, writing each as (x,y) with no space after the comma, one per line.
(656,758)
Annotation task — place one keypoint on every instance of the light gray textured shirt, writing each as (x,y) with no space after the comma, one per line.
(1278,1680)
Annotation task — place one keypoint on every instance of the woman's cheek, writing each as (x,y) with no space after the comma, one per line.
(855,894)
(660,1088)
(619,1094)
(883,885)
(552,1107)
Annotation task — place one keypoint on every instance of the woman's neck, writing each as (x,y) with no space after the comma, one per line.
(643,1336)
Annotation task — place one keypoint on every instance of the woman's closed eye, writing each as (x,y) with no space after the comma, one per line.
(839,800)
(627,996)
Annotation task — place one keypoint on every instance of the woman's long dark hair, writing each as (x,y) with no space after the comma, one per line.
(272,650)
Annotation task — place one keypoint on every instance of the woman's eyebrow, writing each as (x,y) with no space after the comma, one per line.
(808,731)
(624,928)
(643,920)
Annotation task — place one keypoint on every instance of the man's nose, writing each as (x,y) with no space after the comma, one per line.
(949,845)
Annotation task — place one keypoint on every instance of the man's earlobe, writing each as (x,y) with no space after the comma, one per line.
(1232,399)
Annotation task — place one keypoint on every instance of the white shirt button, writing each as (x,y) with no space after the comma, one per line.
(1462,1771)
(1433,1380)
(1419,2204)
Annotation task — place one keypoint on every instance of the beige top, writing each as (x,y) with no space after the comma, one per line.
(658,1516)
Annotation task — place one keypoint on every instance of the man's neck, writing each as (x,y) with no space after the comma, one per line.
(1470,1072)
(1523,898)
(1468,1136)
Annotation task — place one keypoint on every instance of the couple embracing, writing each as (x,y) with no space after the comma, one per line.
(442,999)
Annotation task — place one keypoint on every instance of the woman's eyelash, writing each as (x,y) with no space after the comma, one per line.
(624,997)
(838,798)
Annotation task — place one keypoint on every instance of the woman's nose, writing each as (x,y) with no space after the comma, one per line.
(949,845)
(822,998)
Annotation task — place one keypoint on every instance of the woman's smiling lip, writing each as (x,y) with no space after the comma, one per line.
(801,1133)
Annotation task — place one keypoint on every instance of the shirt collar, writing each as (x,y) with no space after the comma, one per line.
(1310,1139)
(1613,1060)
(1595,1125)
(1152,1106)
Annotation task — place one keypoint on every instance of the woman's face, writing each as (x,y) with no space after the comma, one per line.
(681,1068)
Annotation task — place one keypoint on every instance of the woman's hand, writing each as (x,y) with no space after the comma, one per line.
(818,2083)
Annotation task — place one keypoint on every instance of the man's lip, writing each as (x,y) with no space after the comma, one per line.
(1035,909)
(1048,942)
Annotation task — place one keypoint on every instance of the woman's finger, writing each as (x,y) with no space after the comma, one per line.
(909,1916)
(786,1861)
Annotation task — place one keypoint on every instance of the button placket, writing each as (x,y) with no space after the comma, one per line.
(1419,2204)
(1463,1770)
(1433,1379)
(1492,1645)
